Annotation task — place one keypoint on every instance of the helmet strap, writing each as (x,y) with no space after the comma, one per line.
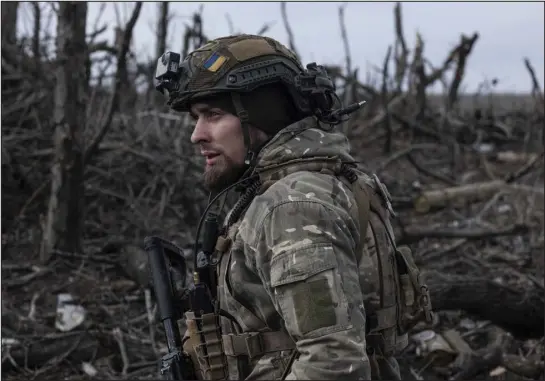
(245,125)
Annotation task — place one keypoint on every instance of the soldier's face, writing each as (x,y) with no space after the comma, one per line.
(219,137)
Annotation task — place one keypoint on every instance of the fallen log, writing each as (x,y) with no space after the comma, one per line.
(455,195)
(411,234)
(518,310)
(512,157)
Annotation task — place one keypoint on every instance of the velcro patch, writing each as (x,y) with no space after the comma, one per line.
(245,49)
(314,305)
(308,289)
(214,62)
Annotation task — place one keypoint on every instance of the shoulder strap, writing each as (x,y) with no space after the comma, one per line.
(377,199)
(362,200)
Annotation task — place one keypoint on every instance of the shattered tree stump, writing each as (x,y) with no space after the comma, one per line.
(517,310)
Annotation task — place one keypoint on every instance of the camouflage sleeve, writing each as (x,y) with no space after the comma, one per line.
(306,260)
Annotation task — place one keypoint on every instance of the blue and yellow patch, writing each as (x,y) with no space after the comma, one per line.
(214,62)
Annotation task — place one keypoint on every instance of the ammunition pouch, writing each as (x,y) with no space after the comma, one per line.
(209,357)
(205,346)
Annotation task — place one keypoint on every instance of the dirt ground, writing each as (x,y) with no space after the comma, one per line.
(465,173)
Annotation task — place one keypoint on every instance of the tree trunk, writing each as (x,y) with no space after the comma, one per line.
(36,35)
(9,40)
(160,46)
(64,221)
(162,28)
(9,21)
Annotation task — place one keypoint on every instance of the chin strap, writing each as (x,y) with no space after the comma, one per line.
(245,125)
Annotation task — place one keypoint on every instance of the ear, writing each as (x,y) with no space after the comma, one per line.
(258,136)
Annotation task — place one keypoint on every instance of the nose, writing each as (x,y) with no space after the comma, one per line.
(200,133)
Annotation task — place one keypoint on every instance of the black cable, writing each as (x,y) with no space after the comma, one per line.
(205,213)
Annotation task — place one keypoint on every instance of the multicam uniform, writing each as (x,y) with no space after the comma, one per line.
(292,268)
(309,273)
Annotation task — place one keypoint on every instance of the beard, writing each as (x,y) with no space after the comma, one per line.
(222,173)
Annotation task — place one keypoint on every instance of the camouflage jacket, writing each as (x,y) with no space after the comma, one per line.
(291,267)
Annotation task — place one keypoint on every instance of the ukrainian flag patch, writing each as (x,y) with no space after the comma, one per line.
(214,62)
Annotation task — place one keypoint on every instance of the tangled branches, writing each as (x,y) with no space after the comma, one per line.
(467,183)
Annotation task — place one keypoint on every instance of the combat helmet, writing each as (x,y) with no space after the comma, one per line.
(242,63)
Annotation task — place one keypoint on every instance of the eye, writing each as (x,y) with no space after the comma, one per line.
(212,114)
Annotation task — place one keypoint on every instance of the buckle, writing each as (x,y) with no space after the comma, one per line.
(228,346)
(426,303)
(254,344)
(243,116)
(375,343)
(250,156)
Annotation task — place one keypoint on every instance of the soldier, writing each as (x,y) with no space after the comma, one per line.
(310,283)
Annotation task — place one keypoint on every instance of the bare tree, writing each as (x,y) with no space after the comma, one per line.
(287,25)
(123,43)
(162,28)
(161,43)
(64,221)
(9,21)
(36,33)
(9,39)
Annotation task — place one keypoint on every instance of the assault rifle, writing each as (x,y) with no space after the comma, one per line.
(176,365)
(197,300)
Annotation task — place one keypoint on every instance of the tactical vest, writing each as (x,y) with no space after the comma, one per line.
(403,297)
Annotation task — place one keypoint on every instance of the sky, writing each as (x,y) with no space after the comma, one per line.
(509,31)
